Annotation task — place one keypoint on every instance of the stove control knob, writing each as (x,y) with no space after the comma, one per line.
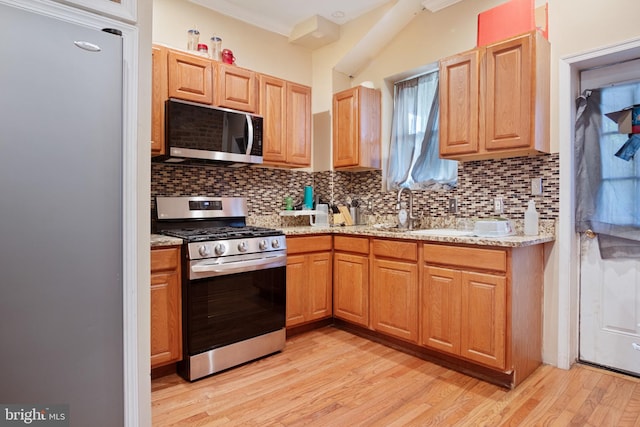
(242,246)
(275,243)
(220,249)
(263,245)
(204,250)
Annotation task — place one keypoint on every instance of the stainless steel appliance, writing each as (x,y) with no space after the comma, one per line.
(61,186)
(198,133)
(234,283)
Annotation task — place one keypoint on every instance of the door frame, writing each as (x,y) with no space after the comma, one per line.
(569,68)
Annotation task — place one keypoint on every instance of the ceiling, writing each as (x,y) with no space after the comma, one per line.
(281,16)
(313,24)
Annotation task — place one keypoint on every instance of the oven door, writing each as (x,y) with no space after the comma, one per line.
(229,308)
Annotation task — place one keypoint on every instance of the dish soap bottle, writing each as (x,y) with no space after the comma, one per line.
(531,219)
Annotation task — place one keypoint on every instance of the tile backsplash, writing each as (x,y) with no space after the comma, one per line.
(479,182)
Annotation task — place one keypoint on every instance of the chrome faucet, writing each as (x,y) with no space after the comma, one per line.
(411,217)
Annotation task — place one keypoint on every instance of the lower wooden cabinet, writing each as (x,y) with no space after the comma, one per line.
(484,305)
(351,279)
(166,306)
(309,281)
(465,314)
(394,289)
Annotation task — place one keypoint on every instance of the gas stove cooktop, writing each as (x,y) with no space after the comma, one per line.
(197,234)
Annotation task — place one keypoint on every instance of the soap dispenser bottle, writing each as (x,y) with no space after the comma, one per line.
(531,219)
(403,216)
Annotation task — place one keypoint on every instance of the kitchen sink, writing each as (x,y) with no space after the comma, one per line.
(445,232)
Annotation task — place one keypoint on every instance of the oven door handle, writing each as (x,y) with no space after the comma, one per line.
(203,270)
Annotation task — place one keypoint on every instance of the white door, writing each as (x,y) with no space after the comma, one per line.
(610,289)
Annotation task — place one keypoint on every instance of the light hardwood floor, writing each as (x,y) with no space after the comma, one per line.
(329,377)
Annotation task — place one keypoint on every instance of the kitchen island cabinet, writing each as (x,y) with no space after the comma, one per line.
(351,279)
(309,281)
(394,288)
(166,306)
(494,100)
(286,109)
(356,129)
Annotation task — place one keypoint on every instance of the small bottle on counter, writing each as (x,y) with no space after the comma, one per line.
(531,219)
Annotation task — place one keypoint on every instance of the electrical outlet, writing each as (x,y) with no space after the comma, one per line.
(498,205)
(453,205)
(536,186)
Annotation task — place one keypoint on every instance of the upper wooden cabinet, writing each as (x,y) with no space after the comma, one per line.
(286,109)
(159,93)
(190,77)
(356,129)
(236,88)
(494,100)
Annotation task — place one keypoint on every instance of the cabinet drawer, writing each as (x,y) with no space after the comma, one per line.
(485,259)
(164,259)
(351,244)
(297,245)
(406,251)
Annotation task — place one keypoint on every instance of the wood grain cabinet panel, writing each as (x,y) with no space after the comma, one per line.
(494,100)
(351,287)
(356,129)
(236,88)
(286,110)
(166,307)
(309,279)
(190,77)
(484,305)
(159,95)
(394,298)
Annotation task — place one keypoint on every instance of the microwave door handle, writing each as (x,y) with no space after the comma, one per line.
(250,127)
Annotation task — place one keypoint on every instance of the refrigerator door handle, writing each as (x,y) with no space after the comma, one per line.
(87,46)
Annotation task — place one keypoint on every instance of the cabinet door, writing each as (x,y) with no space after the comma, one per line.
(190,77)
(345,129)
(441,295)
(459,103)
(236,88)
(159,93)
(166,309)
(297,275)
(509,97)
(165,322)
(273,109)
(319,294)
(395,298)
(483,318)
(351,288)
(298,119)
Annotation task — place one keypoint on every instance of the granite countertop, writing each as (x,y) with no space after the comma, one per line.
(367,230)
(160,240)
(546,235)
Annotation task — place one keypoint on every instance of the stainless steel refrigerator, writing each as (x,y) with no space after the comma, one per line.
(61,284)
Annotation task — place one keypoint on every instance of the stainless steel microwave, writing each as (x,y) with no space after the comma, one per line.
(197,133)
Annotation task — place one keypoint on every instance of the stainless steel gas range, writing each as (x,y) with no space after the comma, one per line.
(233,286)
